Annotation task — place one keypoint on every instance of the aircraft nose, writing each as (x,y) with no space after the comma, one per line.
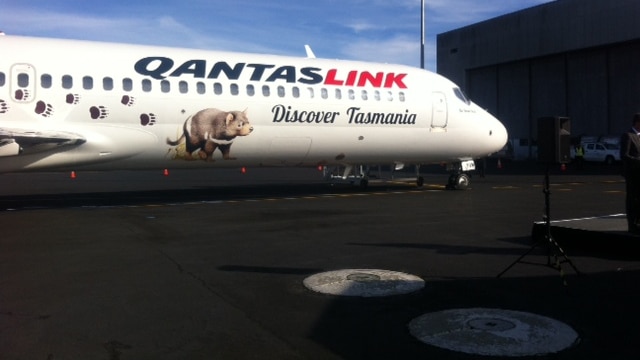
(498,134)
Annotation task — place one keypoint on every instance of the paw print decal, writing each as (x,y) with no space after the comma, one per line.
(22,95)
(72,99)
(44,109)
(147,119)
(98,112)
(4,107)
(128,100)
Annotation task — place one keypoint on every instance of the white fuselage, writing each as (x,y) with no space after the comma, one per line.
(72,104)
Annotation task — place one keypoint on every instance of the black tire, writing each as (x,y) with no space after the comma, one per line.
(462,182)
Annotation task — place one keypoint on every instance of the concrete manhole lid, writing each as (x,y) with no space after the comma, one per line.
(493,332)
(363,282)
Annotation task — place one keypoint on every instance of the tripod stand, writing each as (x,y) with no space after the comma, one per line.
(553,247)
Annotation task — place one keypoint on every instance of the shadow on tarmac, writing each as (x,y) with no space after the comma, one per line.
(151,197)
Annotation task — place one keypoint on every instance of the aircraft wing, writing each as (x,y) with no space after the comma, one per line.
(26,141)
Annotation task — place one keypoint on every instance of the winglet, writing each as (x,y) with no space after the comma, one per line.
(310,53)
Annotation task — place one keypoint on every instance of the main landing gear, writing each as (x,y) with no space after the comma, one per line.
(359,175)
(354,175)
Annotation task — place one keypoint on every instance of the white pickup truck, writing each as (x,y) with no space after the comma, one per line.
(601,152)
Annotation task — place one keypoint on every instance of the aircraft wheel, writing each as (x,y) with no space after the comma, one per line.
(462,182)
(420,181)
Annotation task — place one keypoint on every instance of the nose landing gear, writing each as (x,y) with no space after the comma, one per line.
(459,180)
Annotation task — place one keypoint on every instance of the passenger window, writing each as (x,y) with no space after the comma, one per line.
(311,92)
(217,88)
(200,88)
(266,91)
(107,83)
(390,96)
(87,83)
(67,82)
(376,95)
(338,94)
(365,96)
(352,95)
(324,93)
(184,87)
(296,92)
(23,80)
(146,85)
(281,91)
(251,90)
(127,84)
(165,86)
(234,89)
(46,81)
(401,96)
(2,79)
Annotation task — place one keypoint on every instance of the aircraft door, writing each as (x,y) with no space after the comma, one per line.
(23,83)
(439,116)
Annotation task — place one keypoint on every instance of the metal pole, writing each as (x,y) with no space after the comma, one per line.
(422,35)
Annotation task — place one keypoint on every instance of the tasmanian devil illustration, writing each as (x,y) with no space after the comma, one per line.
(210,129)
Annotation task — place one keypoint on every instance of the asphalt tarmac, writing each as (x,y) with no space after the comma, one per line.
(211,264)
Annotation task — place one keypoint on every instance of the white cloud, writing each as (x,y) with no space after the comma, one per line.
(397,50)
(360,26)
(370,30)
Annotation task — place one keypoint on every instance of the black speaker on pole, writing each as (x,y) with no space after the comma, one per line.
(554,139)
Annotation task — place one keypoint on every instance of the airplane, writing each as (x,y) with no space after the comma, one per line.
(71,105)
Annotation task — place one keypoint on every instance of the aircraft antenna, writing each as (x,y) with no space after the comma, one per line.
(310,53)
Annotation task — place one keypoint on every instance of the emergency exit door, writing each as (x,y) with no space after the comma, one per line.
(23,83)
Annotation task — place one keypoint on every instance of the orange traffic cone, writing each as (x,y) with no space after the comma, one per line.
(165,172)
(73,175)
(243,170)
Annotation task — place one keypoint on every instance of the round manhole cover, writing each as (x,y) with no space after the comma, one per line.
(491,324)
(493,332)
(364,282)
(363,277)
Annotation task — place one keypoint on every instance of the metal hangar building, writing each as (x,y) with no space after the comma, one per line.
(573,58)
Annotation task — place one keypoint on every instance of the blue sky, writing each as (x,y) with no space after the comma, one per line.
(370,30)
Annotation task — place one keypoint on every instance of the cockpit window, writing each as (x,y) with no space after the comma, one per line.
(460,95)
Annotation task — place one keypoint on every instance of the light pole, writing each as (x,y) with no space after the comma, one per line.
(422,35)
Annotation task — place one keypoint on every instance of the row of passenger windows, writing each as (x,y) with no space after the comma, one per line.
(183,87)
